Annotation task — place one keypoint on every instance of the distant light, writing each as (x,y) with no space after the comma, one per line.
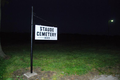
(111,20)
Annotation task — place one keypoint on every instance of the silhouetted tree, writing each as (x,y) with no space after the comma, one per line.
(2,3)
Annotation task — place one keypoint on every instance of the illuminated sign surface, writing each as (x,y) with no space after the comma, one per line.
(45,32)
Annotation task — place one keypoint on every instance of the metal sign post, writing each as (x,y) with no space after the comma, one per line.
(51,34)
(31,73)
(32,41)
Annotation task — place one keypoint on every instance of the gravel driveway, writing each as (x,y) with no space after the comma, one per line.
(105,77)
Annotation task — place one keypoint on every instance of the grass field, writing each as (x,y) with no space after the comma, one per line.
(64,58)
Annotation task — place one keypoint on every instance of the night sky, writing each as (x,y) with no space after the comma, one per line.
(70,16)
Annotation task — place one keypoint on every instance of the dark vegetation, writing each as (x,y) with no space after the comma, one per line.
(16,38)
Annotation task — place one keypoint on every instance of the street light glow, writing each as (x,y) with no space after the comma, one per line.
(111,20)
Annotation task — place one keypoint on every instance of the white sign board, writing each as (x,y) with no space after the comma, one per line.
(45,32)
